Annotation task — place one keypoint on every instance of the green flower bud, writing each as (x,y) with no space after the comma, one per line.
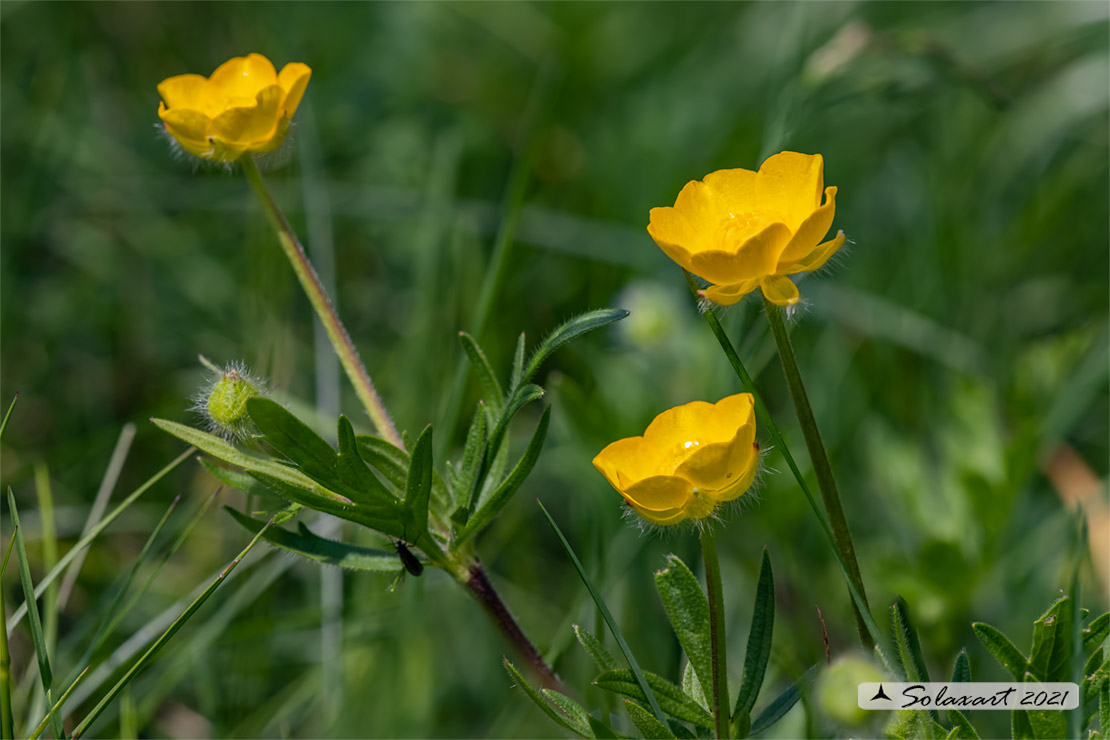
(223,400)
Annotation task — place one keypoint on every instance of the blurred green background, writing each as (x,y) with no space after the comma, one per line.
(956,354)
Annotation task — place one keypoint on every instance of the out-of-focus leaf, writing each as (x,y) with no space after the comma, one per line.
(567,331)
(785,701)
(671,698)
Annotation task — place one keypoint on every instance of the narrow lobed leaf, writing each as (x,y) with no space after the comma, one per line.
(1002,648)
(1096,632)
(650,728)
(961,726)
(311,546)
(351,468)
(1050,658)
(567,331)
(538,700)
(672,700)
(592,645)
(961,673)
(418,488)
(688,611)
(909,646)
(491,388)
(759,637)
(785,701)
(518,363)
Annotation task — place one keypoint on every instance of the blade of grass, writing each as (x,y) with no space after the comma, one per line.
(7,722)
(8,414)
(635,666)
(100,504)
(166,636)
(95,532)
(56,710)
(41,648)
(49,538)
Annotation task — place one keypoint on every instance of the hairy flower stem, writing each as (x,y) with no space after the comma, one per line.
(482,590)
(768,424)
(817,454)
(318,297)
(719,695)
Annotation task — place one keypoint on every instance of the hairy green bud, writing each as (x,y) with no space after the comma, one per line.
(223,400)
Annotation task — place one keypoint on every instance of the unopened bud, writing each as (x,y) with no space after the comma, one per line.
(223,401)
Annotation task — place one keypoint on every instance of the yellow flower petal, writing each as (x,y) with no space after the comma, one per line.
(662,518)
(736,188)
(659,493)
(628,460)
(675,432)
(809,234)
(726,295)
(189,127)
(790,183)
(703,207)
(780,290)
(244,77)
(243,126)
(674,234)
(185,91)
(293,79)
(819,256)
(754,258)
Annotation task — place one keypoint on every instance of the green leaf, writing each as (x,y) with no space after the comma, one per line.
(295,440)
(504,492)
(688,611)
(7,722)
(8,415)
(1050,658)
(759,638)
(418,486)
(46,676)
(567,331)
(249,461)
(491,388)
(692,687)
(786,700)
(1020,729)
(601,730)
(569,706)
(672,700)
(351,468)
(531,693)
(518,363)
(650,728)
(1002,648)
(605,661)
(312,546)
(641,680)
(962,729)
(382,517)
(1104,707)
(492,452)
(235,479)
(961,673)
(1096,632)
(472,458)
(393,464)
(909,647)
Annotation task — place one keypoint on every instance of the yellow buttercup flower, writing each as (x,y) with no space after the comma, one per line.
(690,459)
(245,106)
(742,230)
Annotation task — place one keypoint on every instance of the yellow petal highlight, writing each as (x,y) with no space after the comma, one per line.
(780,290)
(810,233)
(702,206)
(718,469)
(790,183)
(736,188)
(818,257)
(243,77)
(752,259)
(293,79)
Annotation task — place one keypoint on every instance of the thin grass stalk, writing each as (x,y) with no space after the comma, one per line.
(325,311)
(768,423)
(56,710)
(825,480)
(719,691)
(167,635)
(7,721)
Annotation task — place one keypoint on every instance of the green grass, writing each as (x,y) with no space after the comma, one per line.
(443,183)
